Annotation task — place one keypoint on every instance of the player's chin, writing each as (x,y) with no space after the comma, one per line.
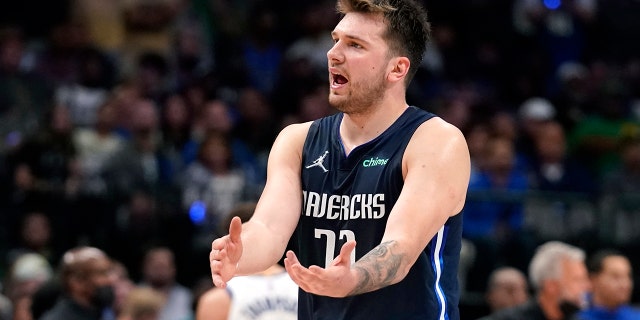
(337,101)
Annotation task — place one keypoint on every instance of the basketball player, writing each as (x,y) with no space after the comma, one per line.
(268,295)
(368,198)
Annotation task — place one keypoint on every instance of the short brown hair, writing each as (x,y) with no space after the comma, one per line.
(408,29)
(143,301)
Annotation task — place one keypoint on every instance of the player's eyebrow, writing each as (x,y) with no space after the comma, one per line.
(353,37)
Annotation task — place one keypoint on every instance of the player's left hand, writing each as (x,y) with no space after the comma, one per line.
(337,280)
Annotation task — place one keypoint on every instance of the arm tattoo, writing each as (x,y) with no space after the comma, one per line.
(378,268)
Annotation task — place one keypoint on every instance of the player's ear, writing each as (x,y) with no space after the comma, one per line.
(399,68)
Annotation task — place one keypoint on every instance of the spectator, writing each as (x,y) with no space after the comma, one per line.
(27,274)
(158,273)
(612,283)
(257,125)
(477,134)
(533,114)
(140,164)
(270,294)
(554,169)
(139,222)
(494,214)
(122,286)
(46,170)
(142,304)
(212,186)
(559,277)
(192,53)
(151,76)
(310,47)
(23,94)
(260,52)
(45,297)
(175,125)
(87,288)
(85,95)
(35,236)
(574,93)
(620,189)
(96,145)
(560,27)
(595,138)
(57,59)
(624,179)
(217,115)
(507,287)
(505,125)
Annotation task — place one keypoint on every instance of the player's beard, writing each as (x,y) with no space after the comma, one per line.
(360,96)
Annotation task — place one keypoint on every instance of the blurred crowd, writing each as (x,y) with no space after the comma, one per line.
(135,124)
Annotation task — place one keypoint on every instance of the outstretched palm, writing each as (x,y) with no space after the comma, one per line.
(225,254)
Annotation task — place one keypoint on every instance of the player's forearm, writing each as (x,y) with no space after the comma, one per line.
(260,249)
(382,266)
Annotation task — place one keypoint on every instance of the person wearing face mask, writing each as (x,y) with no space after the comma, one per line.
(87,286)
(558,274)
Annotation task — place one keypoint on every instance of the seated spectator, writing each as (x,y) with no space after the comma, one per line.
(212,185)
(494,214)
(624,179)
(620,189)
(216,115)
(95,145)
(35,236)
(596,137)
(87,288)
(27,274)
(23,95)
(46,166)
(612,283)
(554,169)
(85,94)
(159,274)
(175,127)
(559,277)
(45,297)
(507,287)
(533,115)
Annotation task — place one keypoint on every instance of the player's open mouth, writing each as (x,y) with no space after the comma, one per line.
(337,79)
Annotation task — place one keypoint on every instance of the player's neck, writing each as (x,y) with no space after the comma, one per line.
(360,128)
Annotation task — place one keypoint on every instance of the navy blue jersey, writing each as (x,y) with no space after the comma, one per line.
(350,197)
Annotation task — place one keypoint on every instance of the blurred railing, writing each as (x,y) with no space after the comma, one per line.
(612,219)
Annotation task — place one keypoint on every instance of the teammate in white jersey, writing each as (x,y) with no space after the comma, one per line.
(268,295)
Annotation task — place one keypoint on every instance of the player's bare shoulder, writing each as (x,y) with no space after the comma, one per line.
(294,135)
(437,129)
(438,142)
(288,145)
(438,155)
(296,131)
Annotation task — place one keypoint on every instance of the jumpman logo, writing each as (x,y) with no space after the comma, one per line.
(318,162)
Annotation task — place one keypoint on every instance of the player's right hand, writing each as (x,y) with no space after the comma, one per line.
(225,254)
